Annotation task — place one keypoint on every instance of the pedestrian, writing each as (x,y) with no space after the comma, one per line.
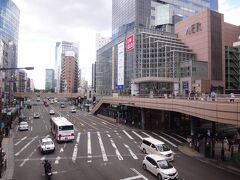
(225,143)
(232,97)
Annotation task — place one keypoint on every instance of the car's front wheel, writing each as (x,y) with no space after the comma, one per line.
(144,167)
(159,177)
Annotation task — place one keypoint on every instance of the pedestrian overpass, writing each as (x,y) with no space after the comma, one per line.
(220,111)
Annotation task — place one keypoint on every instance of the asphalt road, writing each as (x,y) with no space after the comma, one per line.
(102,150)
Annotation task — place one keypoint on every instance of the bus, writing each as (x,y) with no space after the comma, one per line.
(62,129)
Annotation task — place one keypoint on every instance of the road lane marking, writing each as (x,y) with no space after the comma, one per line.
(20,140)
(137,135)
(131,152)
(147,134)
(43,158)
(139,176)
(130,137)
(31,128)
(57,160)
(109,135)
(27,159)
(61,150)
(174,145)
(75,150)
(89,148)
(93,123)
(179,136)
(26,146)
(102,147)
(116,150)
(172,137)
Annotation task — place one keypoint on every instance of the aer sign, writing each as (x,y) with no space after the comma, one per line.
(130,43)
(194,28)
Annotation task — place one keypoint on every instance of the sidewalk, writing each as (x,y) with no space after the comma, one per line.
(225,165)
(7,145)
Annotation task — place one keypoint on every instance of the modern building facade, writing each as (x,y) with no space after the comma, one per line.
(156,61)
(60,49)
(127,14)
(9,24)
(21,81)
(94,77)
(70,73)
(101,41)
(49,79)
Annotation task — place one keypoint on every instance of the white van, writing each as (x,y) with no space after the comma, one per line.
(153,146)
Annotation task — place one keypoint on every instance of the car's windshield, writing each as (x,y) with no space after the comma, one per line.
(162,147)
(47,143)
(163,164)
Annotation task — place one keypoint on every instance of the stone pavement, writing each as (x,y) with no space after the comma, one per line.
(213,162)
(7,145)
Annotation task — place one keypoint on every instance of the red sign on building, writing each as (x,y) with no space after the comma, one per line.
(130,43)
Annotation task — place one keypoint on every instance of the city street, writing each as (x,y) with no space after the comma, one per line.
(101,150)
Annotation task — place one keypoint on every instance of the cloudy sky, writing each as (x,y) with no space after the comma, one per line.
(45,22)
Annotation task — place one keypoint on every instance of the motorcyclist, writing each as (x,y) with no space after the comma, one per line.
(47,166)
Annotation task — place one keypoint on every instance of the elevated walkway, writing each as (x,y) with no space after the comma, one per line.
(217,111)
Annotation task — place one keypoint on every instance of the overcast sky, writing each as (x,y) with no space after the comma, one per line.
(45,22)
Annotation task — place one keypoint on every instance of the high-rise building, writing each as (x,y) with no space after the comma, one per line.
(70,73)
(127,14)
(60,49)
(101,41)
(9,24)
(21,80)
(49,81)
(94,77)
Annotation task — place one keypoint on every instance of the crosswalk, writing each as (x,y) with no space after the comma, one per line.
(91,146)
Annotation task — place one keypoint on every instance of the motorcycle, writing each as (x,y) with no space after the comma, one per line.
(47,169)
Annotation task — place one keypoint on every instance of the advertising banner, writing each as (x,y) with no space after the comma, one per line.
(130,43)
(120,81)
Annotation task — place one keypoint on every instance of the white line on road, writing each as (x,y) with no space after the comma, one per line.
(147,134)
(109,135)
(78,137)
(171,137)
(102,147)
(61,150)
(139,176)
(174,145)
(116,150)
(25,146)
(57,160)
(20,140)
(43,158)
(130,137)
(89,148)
(25,160)
(93,123)
(179,136)
(31,128)
(75,150)
(137,135)
(131,152)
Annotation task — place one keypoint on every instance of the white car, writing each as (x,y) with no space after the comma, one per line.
(73,110)
(46,145)
(159,166)
(151,145)
(51,112)
(23,126)
(36,115)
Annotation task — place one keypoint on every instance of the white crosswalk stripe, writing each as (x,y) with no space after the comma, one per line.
(131,152)
(104,155)
(116,150)
(137,135)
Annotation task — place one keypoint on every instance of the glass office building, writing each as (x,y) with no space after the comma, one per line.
(127,14)
(60,49)
(49,81)
(9,21)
